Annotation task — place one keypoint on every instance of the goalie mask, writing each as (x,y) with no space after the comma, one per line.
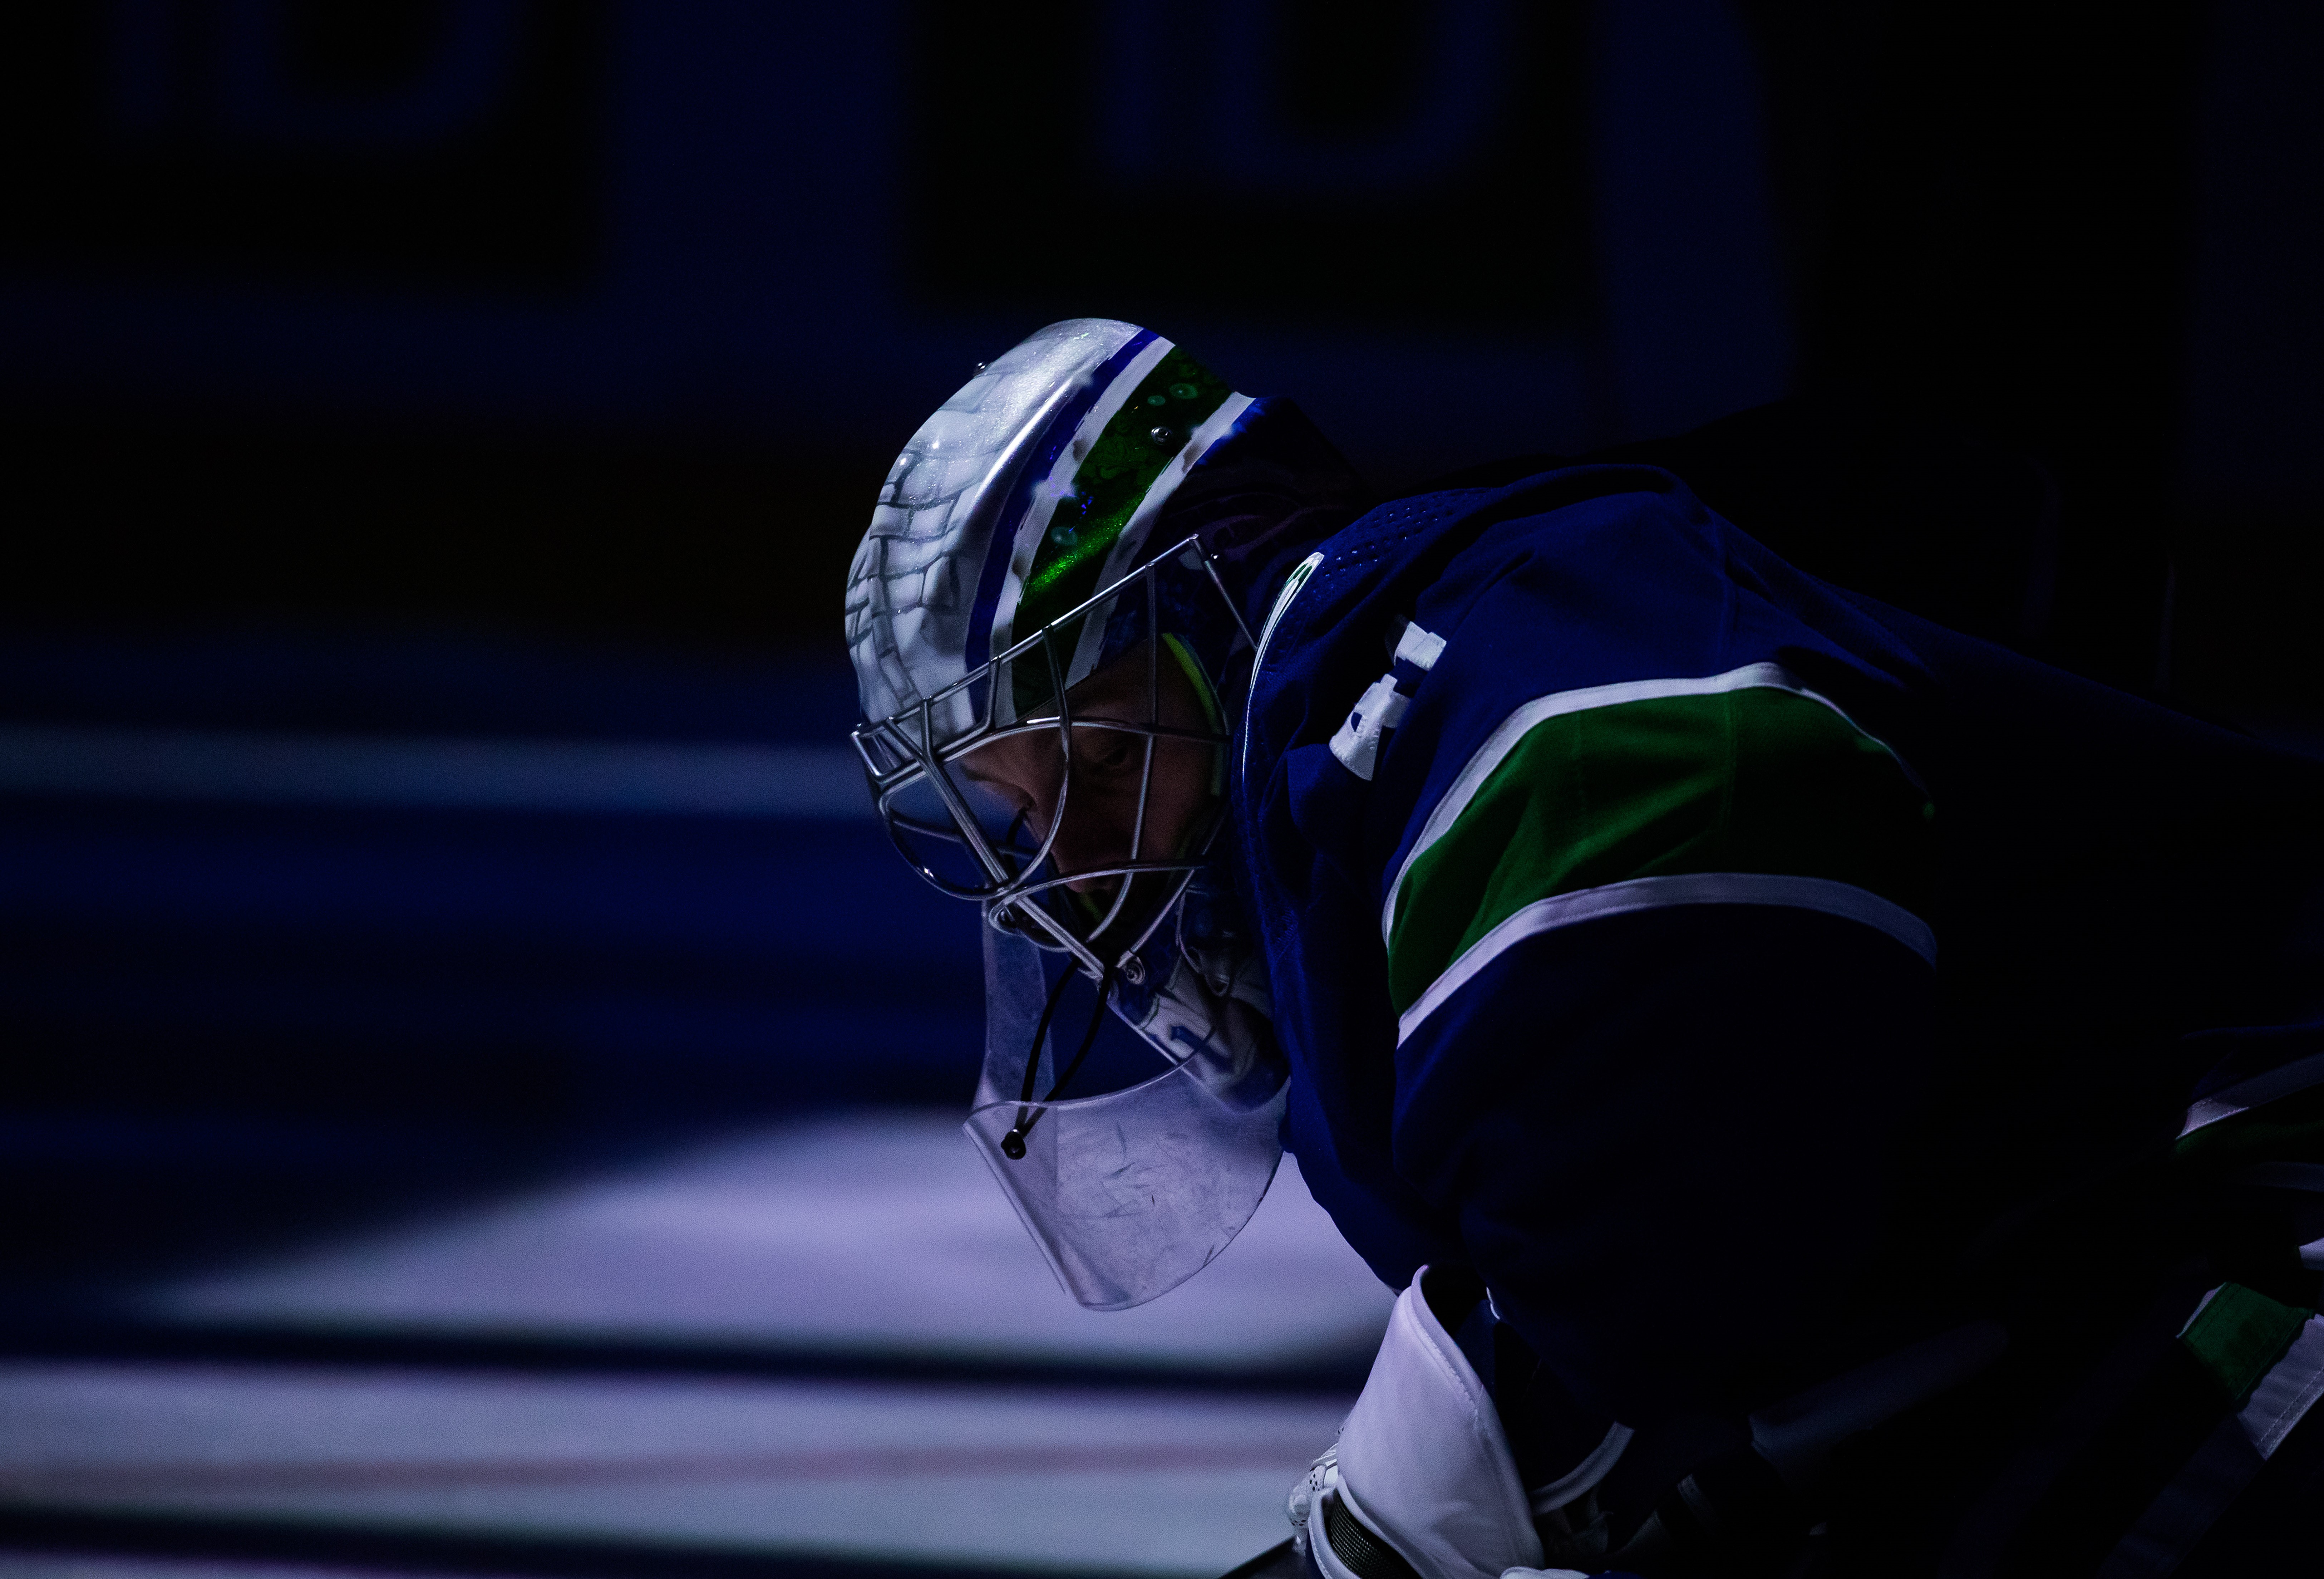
(1048,638)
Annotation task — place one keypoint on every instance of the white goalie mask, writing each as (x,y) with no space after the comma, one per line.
(1044,667)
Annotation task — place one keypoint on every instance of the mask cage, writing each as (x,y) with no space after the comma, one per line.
(973,840)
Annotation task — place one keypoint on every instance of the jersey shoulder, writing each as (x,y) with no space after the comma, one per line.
(1519,708)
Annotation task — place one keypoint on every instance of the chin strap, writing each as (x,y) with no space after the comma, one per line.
(1207,996)
(1012,1144)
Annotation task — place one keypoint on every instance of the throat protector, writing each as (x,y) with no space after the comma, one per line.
(1130,1192)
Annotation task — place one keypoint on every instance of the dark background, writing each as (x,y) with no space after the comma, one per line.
(515,370)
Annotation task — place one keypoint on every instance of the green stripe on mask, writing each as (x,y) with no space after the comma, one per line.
(1176,397)
(1751,780)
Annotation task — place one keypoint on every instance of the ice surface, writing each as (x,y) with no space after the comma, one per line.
(1116,1481)
(868,1231)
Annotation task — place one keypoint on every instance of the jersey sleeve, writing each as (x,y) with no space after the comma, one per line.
(1663,958)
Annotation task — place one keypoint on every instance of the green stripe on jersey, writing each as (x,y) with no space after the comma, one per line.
(2239,1335)
(1757,780)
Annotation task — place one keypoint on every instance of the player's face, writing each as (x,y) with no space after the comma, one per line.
(1104,823)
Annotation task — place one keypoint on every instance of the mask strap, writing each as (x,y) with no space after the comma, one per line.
(1207,695)
(1012,1144)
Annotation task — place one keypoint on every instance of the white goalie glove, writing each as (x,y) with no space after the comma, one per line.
(1422,1483)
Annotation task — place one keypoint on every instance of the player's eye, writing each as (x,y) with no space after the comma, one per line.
(1111,753)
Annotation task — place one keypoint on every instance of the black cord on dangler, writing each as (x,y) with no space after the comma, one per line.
(1012,1144)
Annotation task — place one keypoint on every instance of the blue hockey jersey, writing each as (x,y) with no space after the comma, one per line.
(1732,971)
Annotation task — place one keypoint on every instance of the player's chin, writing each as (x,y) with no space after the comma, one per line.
(1115,921)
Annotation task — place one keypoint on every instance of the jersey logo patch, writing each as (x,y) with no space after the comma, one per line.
(1382,705)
